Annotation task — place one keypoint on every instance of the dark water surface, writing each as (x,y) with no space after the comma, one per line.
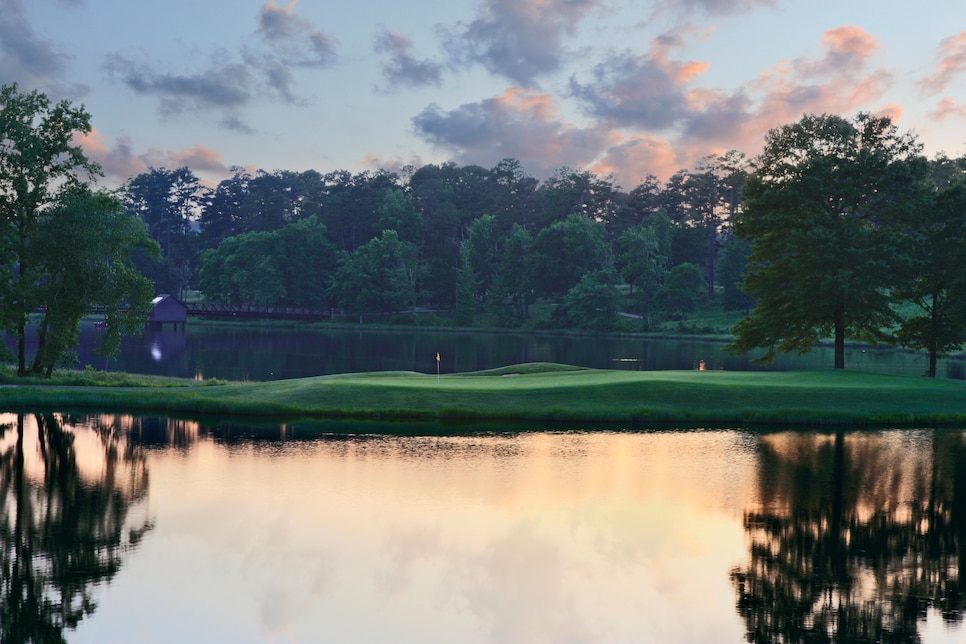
(275,352)
(127,529)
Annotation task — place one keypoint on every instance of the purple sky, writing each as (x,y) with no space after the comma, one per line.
(618,87)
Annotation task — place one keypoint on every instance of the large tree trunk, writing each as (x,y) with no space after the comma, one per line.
(22,348)
(839,320)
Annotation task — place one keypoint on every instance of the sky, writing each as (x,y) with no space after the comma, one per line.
(625,88)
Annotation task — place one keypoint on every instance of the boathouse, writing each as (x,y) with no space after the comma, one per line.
(167,309)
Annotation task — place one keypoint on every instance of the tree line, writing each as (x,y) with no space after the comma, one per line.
(481,245)
(839,228)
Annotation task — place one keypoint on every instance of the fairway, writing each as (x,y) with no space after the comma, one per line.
(545,392)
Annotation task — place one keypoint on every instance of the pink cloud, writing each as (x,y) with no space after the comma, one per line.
(120,163)
(952,62)
(632,160)
(948,108)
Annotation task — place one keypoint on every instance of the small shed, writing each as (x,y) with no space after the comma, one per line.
(167,309)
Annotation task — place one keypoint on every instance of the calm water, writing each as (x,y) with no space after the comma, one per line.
(270,353)
(162,530)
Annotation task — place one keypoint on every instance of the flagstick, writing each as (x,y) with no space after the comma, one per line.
(437,367)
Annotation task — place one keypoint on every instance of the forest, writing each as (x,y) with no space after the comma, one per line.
(476,245)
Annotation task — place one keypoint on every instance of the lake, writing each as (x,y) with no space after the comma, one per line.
(256,353)
(120,529)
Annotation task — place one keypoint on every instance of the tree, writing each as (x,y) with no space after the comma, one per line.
(818,211)
(564,251)
(593,303)
(679,295)
(515,280)
(484,247)
(731,274)
(83,253)
(645,261)
(39,161)
(379,277)
(936,243)
(287,267)
(168,201)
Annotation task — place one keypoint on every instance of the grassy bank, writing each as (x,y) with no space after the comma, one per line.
(540,392)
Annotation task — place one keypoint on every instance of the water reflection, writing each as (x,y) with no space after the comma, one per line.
(67,517)
(856,537)
(321,531)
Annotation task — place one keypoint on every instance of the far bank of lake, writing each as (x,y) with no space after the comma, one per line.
(259,352)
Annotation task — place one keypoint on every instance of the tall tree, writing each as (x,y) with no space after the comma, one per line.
(935,239)
(169,202)
(817,211)
(379,277)
(645,260)
(39,161)
(83,251)
(564,251)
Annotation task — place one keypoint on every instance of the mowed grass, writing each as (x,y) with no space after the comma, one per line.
(546,392)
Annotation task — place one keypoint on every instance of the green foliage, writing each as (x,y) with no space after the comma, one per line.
(819,214)
(48,257)
(731,272)
(593,303)
(288,267)
(515,280)
(682,288)
(398,212)
(645,261)
(934,241)
(83,250)
(379,277)
(167,201)
(564,251)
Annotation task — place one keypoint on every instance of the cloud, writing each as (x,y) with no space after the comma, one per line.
(518,39)
(952,62)
(224,85)
(231,81)
(948,108)
(519,124)
(839,82)
(632,160)
(29,60)
(648,91)
(394,164)
(650,115)
(716,7)
(296,40)
(120,163)
(402,68)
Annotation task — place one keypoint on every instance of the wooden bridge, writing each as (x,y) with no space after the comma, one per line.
(250,312)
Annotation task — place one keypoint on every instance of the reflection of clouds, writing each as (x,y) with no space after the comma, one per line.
(517,587)
(290,578)
(406,551)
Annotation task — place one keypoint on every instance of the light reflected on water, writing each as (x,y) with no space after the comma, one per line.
(300,533)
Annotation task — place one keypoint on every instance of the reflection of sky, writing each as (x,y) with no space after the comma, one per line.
(539,537)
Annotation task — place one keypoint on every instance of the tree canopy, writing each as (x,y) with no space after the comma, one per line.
(820,211)
(63,247)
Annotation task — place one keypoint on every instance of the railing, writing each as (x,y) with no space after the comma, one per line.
(245,311)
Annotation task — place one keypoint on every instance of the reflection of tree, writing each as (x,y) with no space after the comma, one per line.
(850,545)
(62,529)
